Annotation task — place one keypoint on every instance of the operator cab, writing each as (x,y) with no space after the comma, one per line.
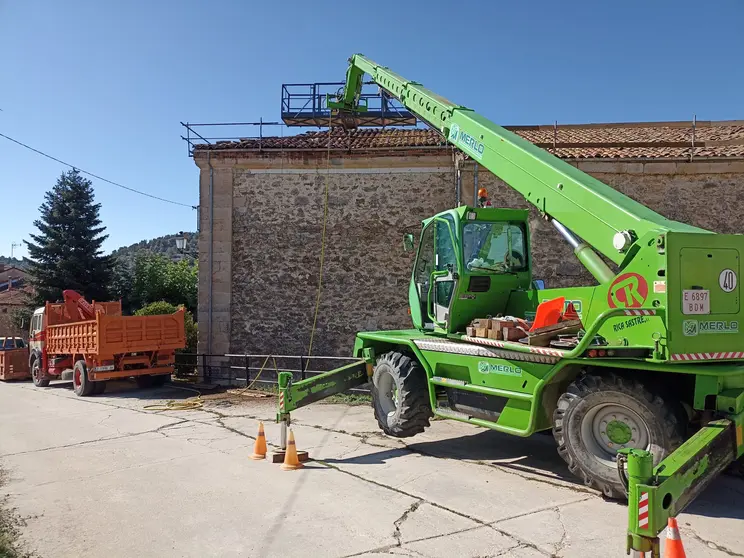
(468,263)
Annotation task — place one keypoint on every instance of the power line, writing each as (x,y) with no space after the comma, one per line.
(95,175)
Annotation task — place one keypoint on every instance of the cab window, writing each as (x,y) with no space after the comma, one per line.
(494,247)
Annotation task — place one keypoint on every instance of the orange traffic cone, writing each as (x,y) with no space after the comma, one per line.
(259,448)
(570,313)
(673,547)
(291,462)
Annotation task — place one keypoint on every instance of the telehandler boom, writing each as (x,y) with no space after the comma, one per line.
(645,400)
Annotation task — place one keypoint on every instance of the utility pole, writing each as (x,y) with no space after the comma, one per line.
(13,246)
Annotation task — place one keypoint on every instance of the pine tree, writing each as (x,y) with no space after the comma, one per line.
(66,254)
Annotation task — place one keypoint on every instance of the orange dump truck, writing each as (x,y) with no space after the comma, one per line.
(93,343)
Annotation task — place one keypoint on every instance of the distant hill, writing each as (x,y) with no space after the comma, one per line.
(4,260)
(163,245)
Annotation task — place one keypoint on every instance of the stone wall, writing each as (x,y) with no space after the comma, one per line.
(276,250)
(268,215)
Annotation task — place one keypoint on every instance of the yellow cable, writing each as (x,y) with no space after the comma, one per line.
(191,404)
(241,391)
(322,246)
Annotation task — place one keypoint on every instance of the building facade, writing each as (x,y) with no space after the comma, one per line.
(14,289)
(262,219)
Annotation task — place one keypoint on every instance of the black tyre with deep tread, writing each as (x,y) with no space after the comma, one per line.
(37,377)
(81,385)
(412,410)
(661,418)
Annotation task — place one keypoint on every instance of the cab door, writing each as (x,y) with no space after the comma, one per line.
(444,276)
(435,275)
(35,334)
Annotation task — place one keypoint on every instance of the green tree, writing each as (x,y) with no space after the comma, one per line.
(152,278)
(66,253)
(162,307)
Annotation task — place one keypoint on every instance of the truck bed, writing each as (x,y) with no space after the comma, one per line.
(110,335)
(14,364)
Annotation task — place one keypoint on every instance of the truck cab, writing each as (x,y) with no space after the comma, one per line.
(35,337)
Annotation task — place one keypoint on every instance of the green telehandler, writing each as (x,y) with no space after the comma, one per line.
(646,403)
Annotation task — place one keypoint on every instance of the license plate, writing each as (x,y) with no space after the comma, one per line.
(695,302)
(107,368)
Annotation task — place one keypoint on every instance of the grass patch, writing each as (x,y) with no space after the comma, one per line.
(9,533)
(352,399)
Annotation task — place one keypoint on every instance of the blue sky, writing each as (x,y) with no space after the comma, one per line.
(103,85)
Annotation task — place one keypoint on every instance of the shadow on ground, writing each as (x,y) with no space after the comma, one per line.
(536,455)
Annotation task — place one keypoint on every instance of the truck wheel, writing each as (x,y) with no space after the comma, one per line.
(159,380)
(36,376)
(80,382)
(144,381)
(400,395)
(600,414)
(99,387)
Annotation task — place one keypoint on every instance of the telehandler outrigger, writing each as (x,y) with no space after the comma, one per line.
(654,379)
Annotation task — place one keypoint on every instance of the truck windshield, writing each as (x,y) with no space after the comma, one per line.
(494,247)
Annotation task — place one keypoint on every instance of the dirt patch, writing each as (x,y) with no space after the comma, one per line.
(9,529)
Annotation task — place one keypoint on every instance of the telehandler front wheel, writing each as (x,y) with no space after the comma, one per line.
(601,414)
(400,395)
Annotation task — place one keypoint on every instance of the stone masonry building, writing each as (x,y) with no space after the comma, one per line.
(262,214)
(14,289)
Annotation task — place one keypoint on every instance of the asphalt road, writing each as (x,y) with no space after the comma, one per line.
(103,477)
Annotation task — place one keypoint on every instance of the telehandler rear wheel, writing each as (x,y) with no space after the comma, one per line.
(400,395)
(600,414)
(80,382)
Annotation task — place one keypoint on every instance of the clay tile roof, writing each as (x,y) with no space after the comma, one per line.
(12,272)
(650,140)
(13,297)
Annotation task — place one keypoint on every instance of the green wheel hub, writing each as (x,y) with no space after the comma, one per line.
(618,432)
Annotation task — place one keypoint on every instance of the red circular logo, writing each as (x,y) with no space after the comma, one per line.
(628,290)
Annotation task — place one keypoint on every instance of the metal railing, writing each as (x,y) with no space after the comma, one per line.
(242,370)
(305,104)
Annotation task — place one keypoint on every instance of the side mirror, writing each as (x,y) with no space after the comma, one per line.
(408,242)
(538,284)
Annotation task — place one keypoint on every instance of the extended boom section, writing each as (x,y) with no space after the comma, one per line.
(606,219)
(656,494)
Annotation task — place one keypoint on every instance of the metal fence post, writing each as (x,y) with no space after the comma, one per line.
(247,370)
(205,370)
(302,367)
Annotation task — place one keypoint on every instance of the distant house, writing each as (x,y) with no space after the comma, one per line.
(14,288)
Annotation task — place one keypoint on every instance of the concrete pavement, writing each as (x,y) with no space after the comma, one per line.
(102,476)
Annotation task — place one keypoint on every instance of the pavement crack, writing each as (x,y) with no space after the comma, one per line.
(711,544)
(83,443)
(522,542)
(402,519)
(121,469)
(540,510)
(480,522)
(532,477)
(564,536)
